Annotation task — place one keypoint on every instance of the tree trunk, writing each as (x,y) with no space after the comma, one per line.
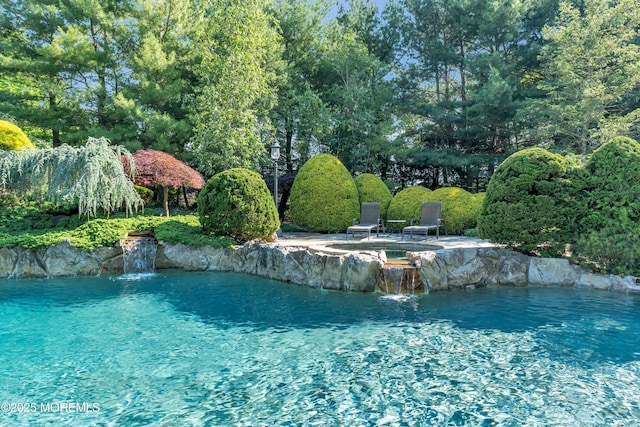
(165,200)
(55,133)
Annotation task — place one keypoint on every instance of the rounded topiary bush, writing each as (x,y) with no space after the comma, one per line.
(407,203)
(12,137)
(237,203)
(475,206)
(455,208)
(145,194)
(373,189)
(530,204)
(609,194)
(324,196)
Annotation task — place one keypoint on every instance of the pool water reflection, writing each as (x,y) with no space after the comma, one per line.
(229,349)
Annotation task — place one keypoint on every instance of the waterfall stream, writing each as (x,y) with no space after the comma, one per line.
(139,254)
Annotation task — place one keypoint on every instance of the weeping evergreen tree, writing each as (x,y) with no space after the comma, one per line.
(91,176)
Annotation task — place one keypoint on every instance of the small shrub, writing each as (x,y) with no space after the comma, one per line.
(609,195)
(530,203)
(373,189)
(238,204)
(145,194)
(323,197)
(12,137)
(458,209)
(407,203)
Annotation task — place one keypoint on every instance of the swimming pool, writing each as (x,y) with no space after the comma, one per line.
(227,349)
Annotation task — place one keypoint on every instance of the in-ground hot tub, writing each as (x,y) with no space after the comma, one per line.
(392,249)
(399,275)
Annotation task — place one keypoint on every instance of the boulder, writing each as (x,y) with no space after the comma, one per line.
(8,258)
(64,260)
(512,269)
(28,264)
(551,272)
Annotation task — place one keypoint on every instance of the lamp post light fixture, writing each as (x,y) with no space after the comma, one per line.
(275,156)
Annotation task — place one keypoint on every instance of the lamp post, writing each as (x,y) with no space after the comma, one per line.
(275,156)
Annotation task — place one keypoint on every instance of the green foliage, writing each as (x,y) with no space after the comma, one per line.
(475,206)
(610,197)
(92,177)
(373,189)
(590,58)
(12,137)
(323,196)
(132,57)
(609,250)
(239,49)
(145,194)
(40,225)
(459,210)
(238,204)
(530,204)
(407,203)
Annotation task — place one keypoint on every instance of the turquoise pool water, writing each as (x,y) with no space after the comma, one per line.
(232,350)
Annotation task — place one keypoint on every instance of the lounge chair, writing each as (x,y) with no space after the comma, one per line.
(369,220)
(431,217)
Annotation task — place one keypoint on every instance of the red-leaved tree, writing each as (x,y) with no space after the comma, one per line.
(154,167)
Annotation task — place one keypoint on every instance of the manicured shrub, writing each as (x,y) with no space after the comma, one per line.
(237,203)
(407,203)
(373,189)
(324,196)
(610,194)
(145,194)
(12,137)
(459,211)
(530,203)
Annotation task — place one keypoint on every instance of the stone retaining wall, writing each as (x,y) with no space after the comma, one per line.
(439,270)
(460,268)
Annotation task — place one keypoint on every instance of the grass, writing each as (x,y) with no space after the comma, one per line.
(41,225)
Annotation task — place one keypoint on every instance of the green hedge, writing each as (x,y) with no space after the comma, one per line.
(238,204)
(407,203)
(530,203)
(609,190)
(459,210)
(373,189)
(324,196)
(12,137)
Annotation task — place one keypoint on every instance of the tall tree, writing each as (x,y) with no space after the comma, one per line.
(460,85)
(352,81)
(32,85)
(239,48)
(591,74)
(153,102)
(120,69)
(300,117)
